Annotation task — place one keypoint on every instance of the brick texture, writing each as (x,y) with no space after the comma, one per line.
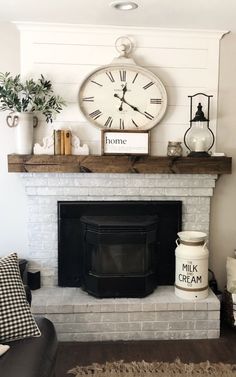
(44,190)
(78,316)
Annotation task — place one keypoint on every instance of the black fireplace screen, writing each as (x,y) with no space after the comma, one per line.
(126,258)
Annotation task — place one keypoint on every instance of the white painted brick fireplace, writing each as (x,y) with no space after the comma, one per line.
(45,190)
(79,316)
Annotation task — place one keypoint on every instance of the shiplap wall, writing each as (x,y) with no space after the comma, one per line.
(185,60)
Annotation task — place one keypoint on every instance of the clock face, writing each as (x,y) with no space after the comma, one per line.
(125,97)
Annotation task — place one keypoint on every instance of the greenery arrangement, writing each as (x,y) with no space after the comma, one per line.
(30,96)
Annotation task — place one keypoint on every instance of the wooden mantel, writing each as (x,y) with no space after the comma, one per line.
(118,164)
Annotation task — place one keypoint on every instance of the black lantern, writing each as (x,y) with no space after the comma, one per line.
(199,138)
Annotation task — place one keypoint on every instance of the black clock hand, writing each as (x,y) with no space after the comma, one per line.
(124,90)
(127,103)
(123,96)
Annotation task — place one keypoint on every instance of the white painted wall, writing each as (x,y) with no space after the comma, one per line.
(179,85)
(223,216)
(13,230)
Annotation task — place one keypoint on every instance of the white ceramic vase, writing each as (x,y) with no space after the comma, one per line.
(24,124)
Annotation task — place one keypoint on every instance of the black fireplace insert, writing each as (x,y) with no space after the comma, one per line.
(148,263)
(119,255)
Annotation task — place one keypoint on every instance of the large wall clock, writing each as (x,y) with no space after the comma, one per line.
(123,96)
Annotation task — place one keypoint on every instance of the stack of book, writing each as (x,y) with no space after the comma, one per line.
(62,142)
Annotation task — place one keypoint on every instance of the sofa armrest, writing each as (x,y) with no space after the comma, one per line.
(32,357)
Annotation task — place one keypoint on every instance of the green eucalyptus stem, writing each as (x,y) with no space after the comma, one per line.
(30,96)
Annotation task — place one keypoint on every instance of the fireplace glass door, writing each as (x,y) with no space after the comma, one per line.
(119,252)
(118,258)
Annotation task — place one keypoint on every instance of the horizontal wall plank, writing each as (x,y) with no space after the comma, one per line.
(174,115)
(79,54)
(176,96)
(76,73)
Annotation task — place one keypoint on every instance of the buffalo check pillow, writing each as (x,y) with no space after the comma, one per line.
(16,320)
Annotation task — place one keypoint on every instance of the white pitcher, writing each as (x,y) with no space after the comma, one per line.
(24,124)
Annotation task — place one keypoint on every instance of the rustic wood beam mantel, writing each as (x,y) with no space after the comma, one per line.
(118,164)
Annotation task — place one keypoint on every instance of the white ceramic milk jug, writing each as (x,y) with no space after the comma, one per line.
(191,271)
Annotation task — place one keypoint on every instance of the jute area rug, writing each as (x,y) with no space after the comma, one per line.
(155,369)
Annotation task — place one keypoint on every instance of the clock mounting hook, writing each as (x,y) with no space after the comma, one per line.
(124,46)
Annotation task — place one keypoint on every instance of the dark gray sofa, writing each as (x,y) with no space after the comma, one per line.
(32,357)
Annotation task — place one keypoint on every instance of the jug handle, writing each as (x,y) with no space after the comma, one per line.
(177,242)
(14,119)
(35,121)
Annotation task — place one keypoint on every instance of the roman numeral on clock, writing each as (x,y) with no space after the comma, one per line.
(122,75)
(134,123)
(95,114)
(109,74)
(135,78)
(122,124)
(155,101)
(97,83)
(108,122)
(148,85)
(147,115)
(88,99)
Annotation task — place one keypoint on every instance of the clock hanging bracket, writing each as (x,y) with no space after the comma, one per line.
(124,46)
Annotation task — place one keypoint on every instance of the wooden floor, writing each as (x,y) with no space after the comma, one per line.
(223,349)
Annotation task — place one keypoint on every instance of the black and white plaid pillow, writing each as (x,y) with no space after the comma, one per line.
(16,320)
